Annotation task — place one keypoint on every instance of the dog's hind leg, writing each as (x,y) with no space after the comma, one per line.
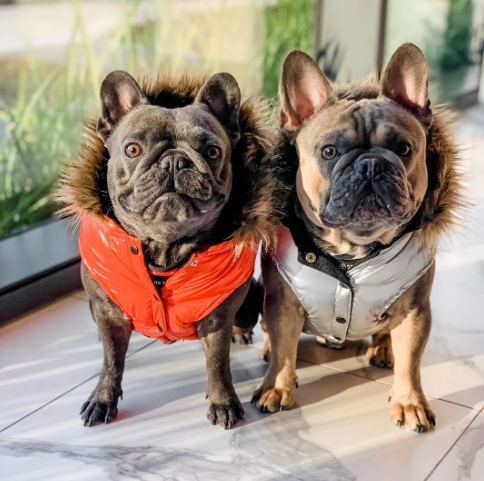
(248,314)
(380,353)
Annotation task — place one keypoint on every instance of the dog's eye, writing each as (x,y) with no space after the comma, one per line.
(212,152)
(133,150)
(403,149)
(329,152)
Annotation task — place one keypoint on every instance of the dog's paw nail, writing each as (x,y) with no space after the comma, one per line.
(432,421)
(297,384)
(83,408)
(389,398)
(420,428)
(399,424)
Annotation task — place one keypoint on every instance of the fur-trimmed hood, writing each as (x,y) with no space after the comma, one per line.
(249,213)
(444,200)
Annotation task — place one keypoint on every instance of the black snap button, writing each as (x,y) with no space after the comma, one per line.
(311,257)
(134,249)
(341,320)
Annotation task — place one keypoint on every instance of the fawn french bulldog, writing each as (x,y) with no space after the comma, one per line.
(371,174)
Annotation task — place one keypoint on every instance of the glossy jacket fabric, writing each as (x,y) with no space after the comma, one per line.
(339,312)
(115,260)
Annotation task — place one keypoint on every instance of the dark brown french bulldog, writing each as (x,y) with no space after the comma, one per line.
(173,196)
(372,168)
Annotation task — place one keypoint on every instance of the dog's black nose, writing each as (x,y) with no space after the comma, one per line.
(176,161)
(371,167)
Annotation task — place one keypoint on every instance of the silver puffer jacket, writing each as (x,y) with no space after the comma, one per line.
(351,311)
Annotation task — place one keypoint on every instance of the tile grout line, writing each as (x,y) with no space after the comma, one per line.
(389,385)
(378,381)
(452,446)
(69,390)
(477,411)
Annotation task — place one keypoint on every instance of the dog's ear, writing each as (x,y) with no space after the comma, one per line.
(119,94)
(304,89)
(221,94)
(405,80)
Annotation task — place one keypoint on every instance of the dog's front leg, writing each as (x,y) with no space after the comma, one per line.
(215,333)
(114,331)
(410,321)
(284,319)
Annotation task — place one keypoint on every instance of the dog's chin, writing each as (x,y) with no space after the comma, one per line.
(171,207)
(171,216)
(369,217)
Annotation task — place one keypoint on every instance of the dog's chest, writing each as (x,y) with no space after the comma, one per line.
(338,312)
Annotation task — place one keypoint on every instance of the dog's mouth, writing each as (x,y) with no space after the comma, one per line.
(371,207)
(166,196)
(172,207)
(368,211)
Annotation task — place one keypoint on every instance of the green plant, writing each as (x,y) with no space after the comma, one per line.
(457,38)
(41,131)
(289,25)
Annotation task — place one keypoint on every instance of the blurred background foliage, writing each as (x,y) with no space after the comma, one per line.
(458,35)
(288,25)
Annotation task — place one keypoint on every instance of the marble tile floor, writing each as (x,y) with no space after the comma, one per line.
(338,431)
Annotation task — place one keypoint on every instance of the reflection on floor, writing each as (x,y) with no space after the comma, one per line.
(339,430)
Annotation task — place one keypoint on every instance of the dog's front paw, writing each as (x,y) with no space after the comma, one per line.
(95,412)
(412,411)
(99,408)
(226,414)
(273,399)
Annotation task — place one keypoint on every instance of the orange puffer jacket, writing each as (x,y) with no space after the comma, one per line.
(115,260)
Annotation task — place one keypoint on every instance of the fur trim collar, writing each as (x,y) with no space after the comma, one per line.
(444,201)
(249,210)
